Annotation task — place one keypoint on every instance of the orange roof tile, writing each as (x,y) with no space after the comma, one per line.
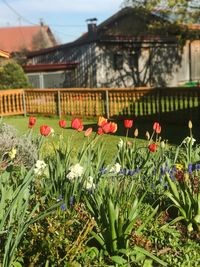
(13,39)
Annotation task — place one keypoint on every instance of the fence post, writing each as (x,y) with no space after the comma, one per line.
(59,106)
(107,105)
(24,102)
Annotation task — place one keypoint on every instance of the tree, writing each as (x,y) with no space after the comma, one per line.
(187,11)
(12,76)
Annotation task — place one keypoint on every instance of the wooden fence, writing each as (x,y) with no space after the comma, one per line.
(171,104)
(12,102)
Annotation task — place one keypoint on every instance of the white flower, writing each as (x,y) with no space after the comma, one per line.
(75,171)
(52,133)
(116,168)
(40,167)
(89,184)
(189,139)
(121,143)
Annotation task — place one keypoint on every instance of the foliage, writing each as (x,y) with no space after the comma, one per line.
(16,149)
(182,10)
(12,76)
(72,209)
(19,210)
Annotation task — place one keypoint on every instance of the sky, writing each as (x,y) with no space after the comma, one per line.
(66,18)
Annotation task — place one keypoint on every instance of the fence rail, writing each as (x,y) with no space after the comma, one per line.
(168,103)
(12,102)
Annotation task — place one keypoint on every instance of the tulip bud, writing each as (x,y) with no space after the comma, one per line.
(162,144)
(190,124)
(136,132)
(147,135)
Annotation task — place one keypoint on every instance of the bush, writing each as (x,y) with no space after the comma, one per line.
(12,76)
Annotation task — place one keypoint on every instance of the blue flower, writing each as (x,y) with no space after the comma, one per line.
(197,167)
(71,201)
(190,168)
(63,207)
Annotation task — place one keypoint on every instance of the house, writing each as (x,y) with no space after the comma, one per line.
(16,39)
(131,48)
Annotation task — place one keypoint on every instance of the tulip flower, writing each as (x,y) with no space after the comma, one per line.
(100,131)
(157,127)
(101,121)
(147,135)
(106,127)
(152,147)
(190,124)
(62,123)
(109,127)
(128,124)
(77,124)
(136,132)
(80,129)
(113,127)
(88,132)
(32,122)
(45,130)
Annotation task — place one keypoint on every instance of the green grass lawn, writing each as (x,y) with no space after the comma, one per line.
(174,133)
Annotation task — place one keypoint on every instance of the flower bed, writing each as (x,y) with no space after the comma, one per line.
(72,209)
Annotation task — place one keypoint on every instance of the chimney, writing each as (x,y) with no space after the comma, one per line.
(92,27)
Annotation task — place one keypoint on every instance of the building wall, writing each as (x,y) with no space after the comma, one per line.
(84,55)
(155,64)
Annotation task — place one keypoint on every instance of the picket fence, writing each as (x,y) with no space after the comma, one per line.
(171,104)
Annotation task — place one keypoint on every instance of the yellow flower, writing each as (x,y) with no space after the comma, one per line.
(12,153)
(179,167)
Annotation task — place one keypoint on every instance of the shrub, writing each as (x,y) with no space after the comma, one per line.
(12,76)
(16,150)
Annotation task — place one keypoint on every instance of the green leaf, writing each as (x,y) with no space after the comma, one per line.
(119,260)
(173,187)
(147,253)
(148,263)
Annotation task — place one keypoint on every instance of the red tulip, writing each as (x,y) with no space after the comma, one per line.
(80,129)
(106,127)
(100,131)
(152,147)
(157,127)
(110,127)
(45,130)
(62,123)
(88,132)
(113,127)
(77,124)
(101,121)
(32,122)
(128,124)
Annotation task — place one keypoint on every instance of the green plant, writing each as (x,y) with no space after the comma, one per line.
(15,149)
(17,213)
(186,200)
(116,209)
(12,76)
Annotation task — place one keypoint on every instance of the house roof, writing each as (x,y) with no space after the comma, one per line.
(4,54)
(50,67)
(13,39)
(86,38)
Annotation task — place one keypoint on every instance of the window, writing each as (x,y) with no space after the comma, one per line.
(133,61)
(118,61)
